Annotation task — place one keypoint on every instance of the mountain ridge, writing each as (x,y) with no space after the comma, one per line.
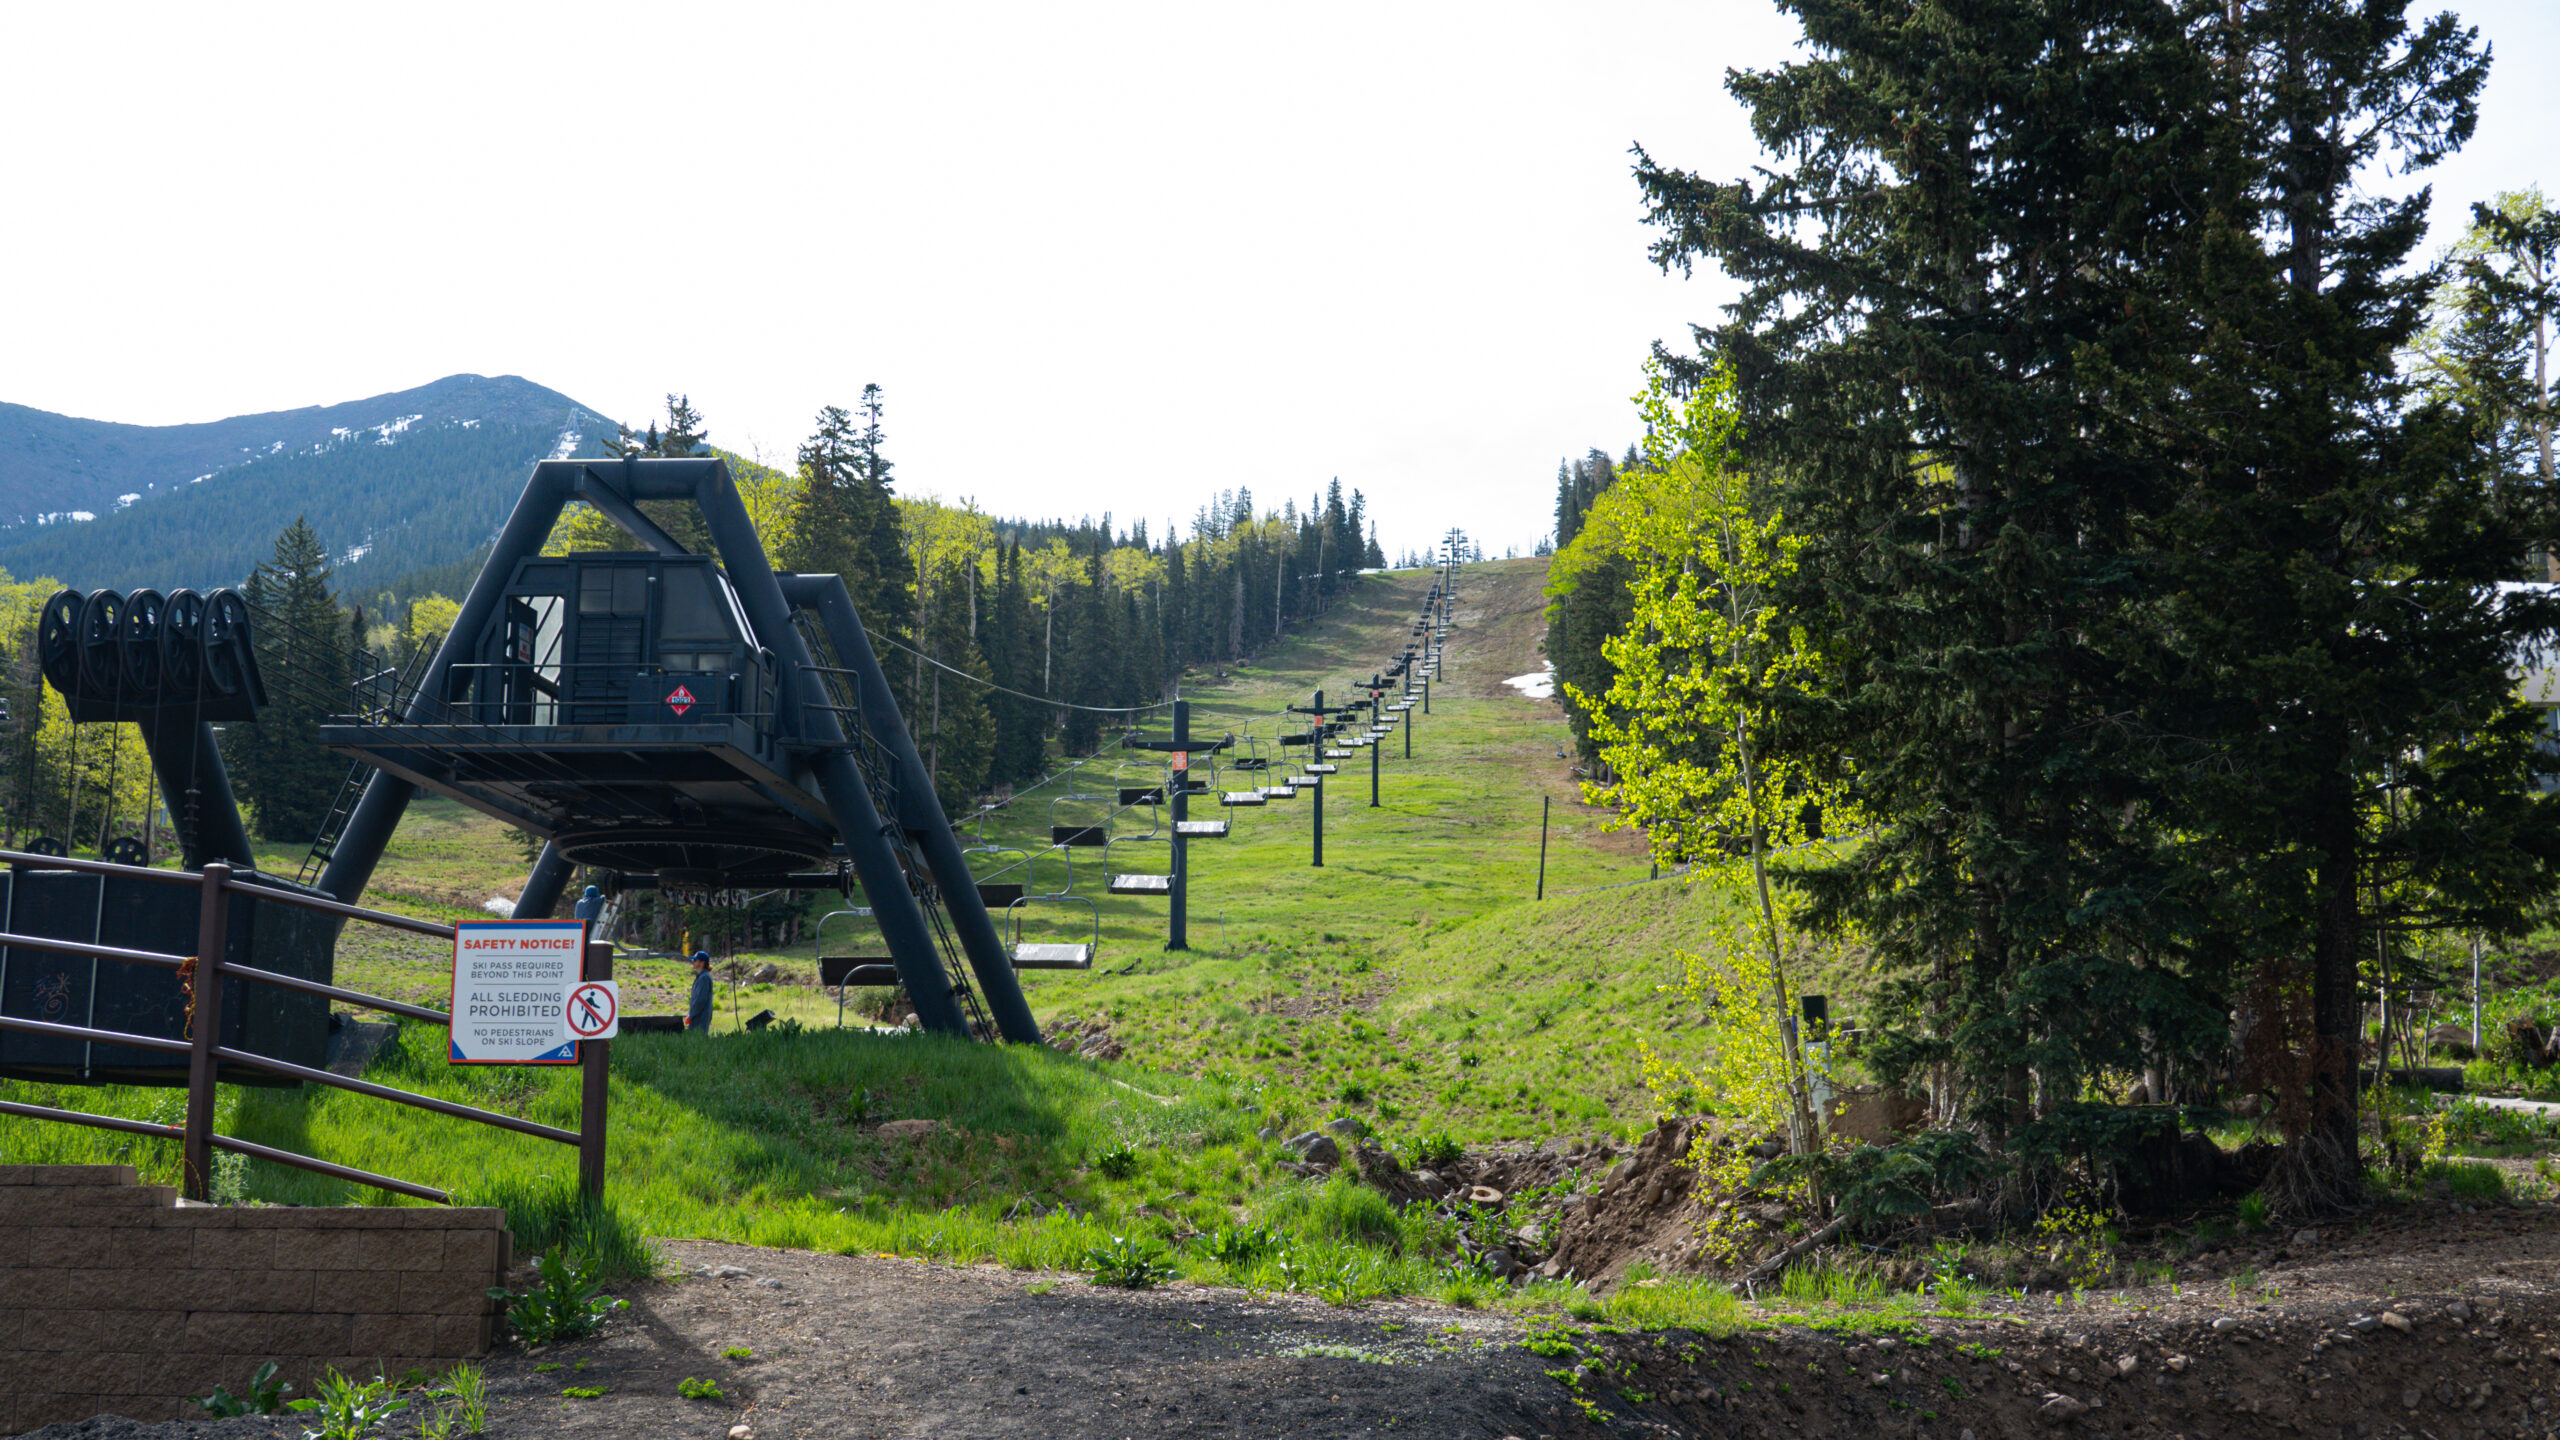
(398,483)
(53,464)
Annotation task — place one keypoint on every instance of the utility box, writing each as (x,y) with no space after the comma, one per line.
(136,914)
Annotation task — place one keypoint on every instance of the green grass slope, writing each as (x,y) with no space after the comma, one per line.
(1413,981)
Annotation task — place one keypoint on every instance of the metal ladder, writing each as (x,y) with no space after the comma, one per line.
(388,704)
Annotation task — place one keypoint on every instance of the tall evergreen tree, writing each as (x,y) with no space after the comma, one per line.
(2342,655)
(953,719)
(1940,355)
(845,520)
(301,638)
(1010,643)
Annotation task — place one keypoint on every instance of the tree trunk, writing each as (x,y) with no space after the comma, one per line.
(2322,1165)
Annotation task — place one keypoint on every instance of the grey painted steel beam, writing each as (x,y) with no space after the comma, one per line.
(866,834)
(184,755)
(988,957)
(551,872)
(386,796)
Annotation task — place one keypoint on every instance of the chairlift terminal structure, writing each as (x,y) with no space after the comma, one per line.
(682,724)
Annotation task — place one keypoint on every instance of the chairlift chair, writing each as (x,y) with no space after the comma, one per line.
(1053,955)
(1088,834)
(843,972)
(998,894)
(1135,882)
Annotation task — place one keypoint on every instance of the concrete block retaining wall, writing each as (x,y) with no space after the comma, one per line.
(117,1299)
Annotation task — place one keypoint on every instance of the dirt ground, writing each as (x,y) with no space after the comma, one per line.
(2437,1325)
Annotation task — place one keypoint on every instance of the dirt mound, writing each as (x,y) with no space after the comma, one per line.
(1645,1209)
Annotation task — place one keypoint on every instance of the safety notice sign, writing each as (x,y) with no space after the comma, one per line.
(511,984)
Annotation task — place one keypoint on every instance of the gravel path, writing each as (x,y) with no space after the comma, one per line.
(2441,1324)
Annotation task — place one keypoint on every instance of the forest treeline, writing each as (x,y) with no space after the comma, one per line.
(2098,519)
(1005,639)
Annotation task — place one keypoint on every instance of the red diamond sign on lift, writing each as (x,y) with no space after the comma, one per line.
(680,700)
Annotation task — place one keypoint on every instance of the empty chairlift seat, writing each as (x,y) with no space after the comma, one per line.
(1243,797)
(1135,882)
(1202,829)
(1075,828)
(1072,948)
(843,972)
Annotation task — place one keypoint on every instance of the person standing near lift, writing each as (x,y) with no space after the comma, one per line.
(699,1017)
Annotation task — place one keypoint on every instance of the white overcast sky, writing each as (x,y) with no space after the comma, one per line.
(1099,257)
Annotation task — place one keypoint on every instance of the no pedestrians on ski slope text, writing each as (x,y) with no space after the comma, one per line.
(511,984)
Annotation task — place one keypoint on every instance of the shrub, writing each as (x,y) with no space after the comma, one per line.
(2470,1180)
(565,1303)
(693,1389)
(265,1397)
(348,1409)
(1438,1151)
(1119,1162)
(1127,1263)
(1242,1245)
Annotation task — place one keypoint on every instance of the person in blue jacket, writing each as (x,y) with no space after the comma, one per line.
(590,906)
(700,1018)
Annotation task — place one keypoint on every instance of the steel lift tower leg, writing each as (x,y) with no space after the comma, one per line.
(988,958)
(386,796)
(865,830)
(542,888)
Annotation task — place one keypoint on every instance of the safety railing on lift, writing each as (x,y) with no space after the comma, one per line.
(196,1137)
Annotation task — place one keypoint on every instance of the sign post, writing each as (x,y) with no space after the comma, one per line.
(581,1014)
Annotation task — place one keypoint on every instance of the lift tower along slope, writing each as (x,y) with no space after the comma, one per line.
(671,720)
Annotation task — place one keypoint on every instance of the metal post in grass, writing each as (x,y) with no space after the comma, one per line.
(595,1060)
(204,1029)
(1544,801)
(1318,862)
(1178,925)
(1373,756)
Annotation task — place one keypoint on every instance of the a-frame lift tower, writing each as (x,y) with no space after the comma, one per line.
(681,723)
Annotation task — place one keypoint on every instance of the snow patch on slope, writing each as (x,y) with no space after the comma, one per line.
(1537,685)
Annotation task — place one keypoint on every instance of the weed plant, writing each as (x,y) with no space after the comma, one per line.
(347,1409)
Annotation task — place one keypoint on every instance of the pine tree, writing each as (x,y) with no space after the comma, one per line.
(1941,382)
(685,434)
(1010,644)
(957,730)
(2362,767)
(301,639)
(845,521)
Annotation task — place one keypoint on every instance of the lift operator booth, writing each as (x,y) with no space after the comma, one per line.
(681,723)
